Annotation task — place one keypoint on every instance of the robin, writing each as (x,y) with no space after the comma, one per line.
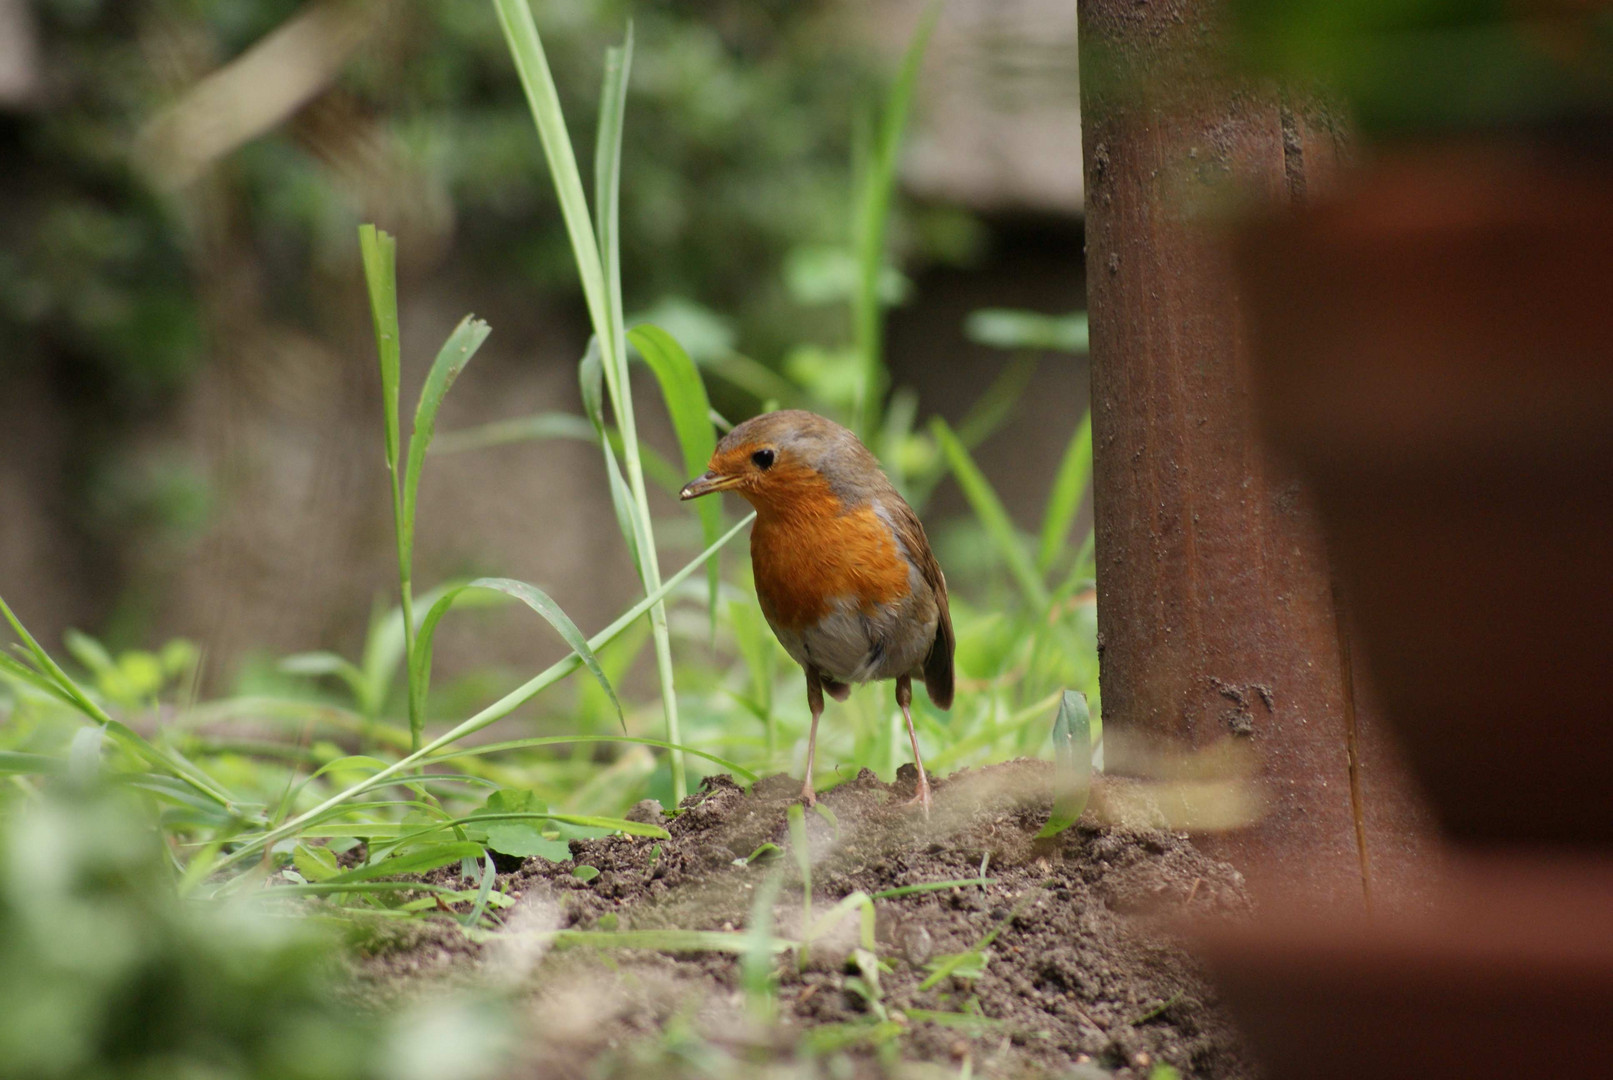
(843,570)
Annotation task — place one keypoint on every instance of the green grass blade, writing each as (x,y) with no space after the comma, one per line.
(379,250)
(17,763)
(526,49)
(557,740)
(756,969)
(164,759)
(803,864)
(599,268)
(492,713)
(873,221)
(553,425)
(1072,756)
(1069,492)
(415,862)
(666,940)
(607,192)
(989,509)
(316,665)
(483,891)
(534,598)
(613,335)
(455,353)
(590,376)
(1007,328)
(451,359)
(993,407)
(13,668)
(932,886)
(399,833)
(690,410)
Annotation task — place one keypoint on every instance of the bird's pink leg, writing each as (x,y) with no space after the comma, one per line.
(815,703)
(904,699)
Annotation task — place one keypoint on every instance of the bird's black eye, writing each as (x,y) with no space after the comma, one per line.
(763,459)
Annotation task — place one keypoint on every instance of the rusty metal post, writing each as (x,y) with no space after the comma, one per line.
(1216,609)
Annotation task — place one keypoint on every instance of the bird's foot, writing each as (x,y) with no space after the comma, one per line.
(922,796)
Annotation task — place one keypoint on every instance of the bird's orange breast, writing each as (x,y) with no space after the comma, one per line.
(815,552)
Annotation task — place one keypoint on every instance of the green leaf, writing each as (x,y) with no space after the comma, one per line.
(550,425)
(526,49)
(1072,757)
(321,664)
(931,886)
(169,761)
(16,763)
(534,598)
(1003,328)
(1069,492)
(607,197)
(554,740)
(483,891)
(768,850)
(585,873)
(451,359)
(993,517)
(589,380)
(667,940)
(515,801)
(87,651)
(414,862)
(524,840)
(315,864)
(690,409)
(379,251)
(993,406)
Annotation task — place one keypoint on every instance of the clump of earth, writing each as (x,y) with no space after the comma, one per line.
(1083,975)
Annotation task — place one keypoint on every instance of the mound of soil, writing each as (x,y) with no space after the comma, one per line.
(1081,974)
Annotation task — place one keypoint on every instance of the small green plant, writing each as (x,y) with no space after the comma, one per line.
(1072,763)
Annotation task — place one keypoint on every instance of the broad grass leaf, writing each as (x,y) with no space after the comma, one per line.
(451,359)
(1005,328)
(523,839)
(379,252)
(993,517)
(534,598)
(1072,763)
(1070,486)
(549,425)
(590,371)
(690,409)
(414,862)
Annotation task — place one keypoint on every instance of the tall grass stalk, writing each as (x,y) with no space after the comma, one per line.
(872,224)
(598,265)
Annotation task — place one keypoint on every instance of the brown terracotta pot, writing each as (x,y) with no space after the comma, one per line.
(1508,975)
(1435,348)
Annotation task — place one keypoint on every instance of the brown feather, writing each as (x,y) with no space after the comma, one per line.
(938,662)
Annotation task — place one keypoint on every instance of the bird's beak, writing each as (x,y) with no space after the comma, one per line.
(706,483)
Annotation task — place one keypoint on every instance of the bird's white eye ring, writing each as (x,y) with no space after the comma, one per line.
(763,459)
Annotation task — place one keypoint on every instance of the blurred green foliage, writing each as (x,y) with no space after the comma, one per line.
(735,153)
(1405,67)
(109,974)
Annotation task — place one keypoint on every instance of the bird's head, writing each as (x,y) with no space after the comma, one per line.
(789,460)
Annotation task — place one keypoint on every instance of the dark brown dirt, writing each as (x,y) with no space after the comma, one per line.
(1083,973)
